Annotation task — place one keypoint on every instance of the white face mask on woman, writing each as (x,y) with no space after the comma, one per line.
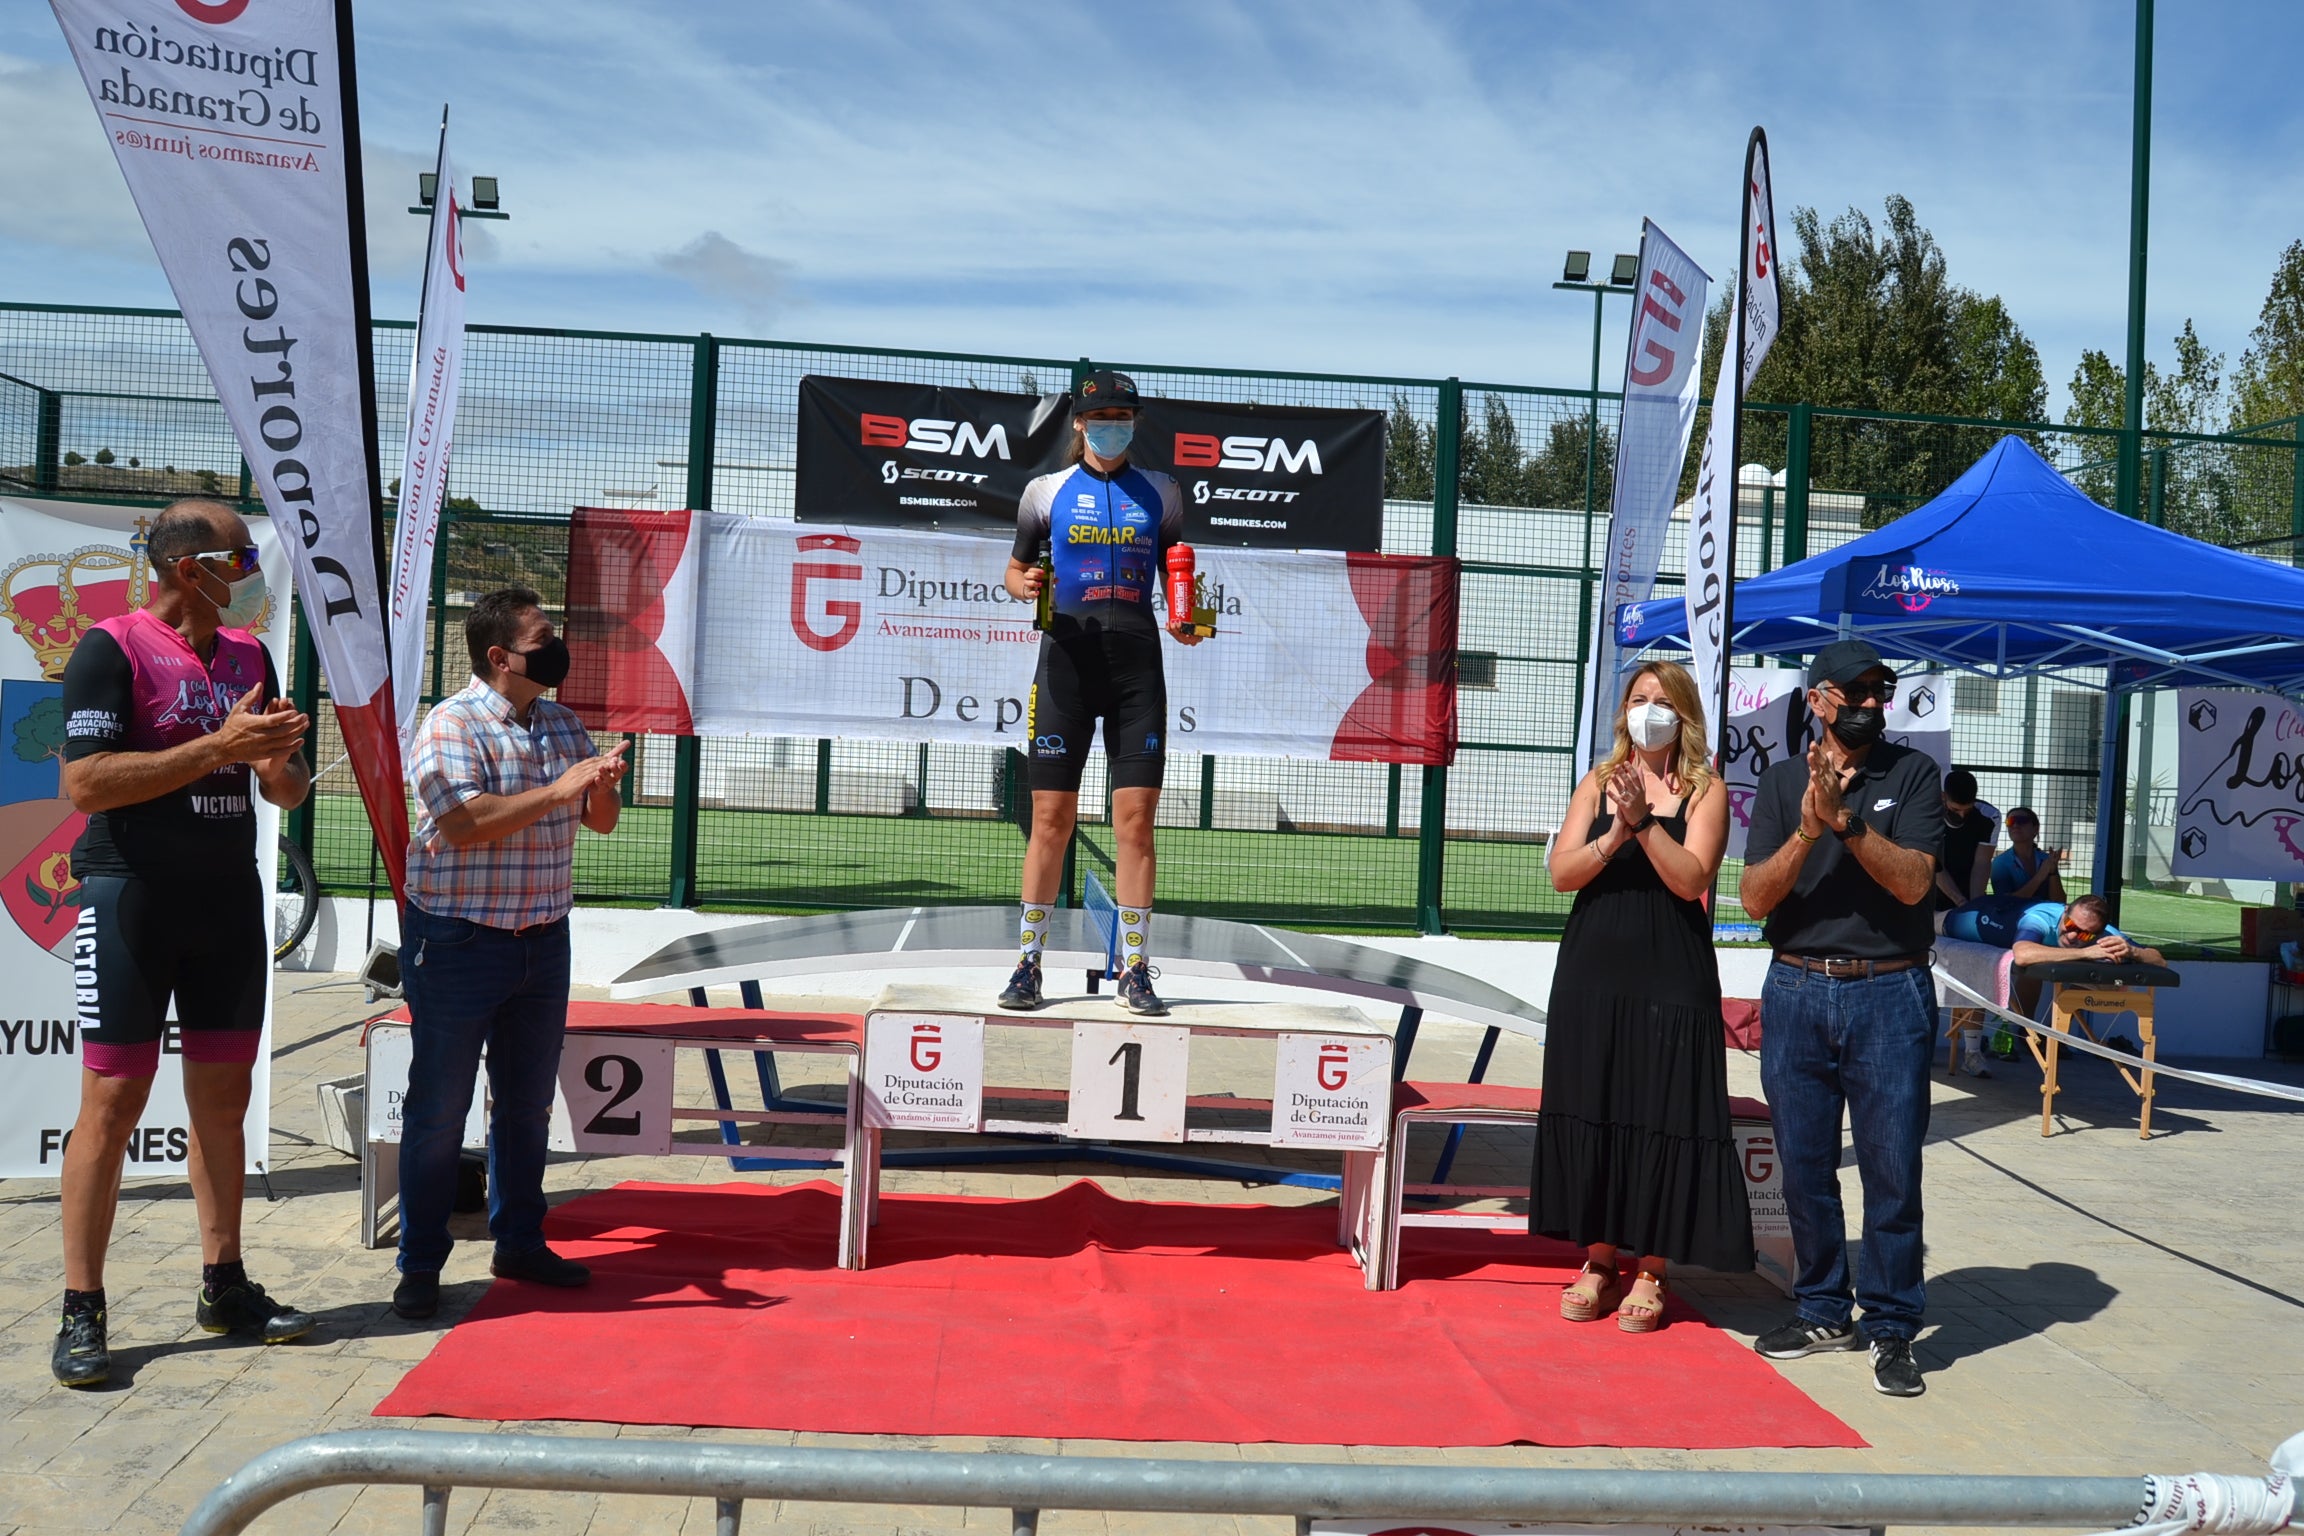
(1652,725)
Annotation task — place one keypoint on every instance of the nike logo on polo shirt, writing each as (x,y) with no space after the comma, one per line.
(1881,805)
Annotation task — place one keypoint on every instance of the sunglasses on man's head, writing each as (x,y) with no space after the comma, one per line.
(240,562)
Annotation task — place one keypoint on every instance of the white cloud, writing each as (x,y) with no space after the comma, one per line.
(64,188)
(723,271)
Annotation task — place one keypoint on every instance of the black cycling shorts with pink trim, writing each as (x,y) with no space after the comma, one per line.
(143,944)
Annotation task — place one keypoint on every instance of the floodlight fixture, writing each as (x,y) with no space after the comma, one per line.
(1579,267)
(1626,273)
(484,192)
(427,187)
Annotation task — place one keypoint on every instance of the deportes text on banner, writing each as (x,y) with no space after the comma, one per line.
(2240,786)
(434,378)
(237,130)
(1768,723)
(73,564)
(1712,518)
(723,625)
(1660,377)
(882,453)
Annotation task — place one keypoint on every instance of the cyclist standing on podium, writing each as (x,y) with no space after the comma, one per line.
(1103,526)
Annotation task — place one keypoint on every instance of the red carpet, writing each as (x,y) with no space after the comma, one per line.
(1084,1317)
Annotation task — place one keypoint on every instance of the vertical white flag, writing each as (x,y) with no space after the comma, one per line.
(432,384)
(236,126)
(1660,376)
(1712,521)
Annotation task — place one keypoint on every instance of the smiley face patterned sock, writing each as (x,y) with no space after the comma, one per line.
(1135,930)
(1033,935)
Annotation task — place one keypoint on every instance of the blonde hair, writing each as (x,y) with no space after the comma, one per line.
(1694,768)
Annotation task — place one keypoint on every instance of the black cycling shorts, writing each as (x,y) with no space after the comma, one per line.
(1108,675)
(143,942)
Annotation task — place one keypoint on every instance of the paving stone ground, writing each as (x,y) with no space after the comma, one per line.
(2097,1305)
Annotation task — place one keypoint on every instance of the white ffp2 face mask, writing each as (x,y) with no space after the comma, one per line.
(1652,725)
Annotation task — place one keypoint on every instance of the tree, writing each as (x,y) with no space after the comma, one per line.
(1873,321)
(1493,471)
(1409,450)
(73,460)
(2269,382)
(1555,476)
(40,735)
(104,456)
(2199,490)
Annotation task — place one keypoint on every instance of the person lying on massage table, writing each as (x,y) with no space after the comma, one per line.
(2038,931)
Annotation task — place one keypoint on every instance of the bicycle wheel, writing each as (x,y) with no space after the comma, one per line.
(295,900)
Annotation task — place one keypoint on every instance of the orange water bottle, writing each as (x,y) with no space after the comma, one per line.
(1183,587)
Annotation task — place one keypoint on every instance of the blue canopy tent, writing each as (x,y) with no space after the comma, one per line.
(2012,570)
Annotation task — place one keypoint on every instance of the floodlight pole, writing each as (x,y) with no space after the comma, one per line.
(1584,635)
(2112,792)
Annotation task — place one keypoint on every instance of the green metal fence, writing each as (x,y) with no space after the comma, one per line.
(114,403)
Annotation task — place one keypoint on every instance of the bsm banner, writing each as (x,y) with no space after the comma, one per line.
(1768,722)
(2240,768)
(70,565)
(873,451)
(714,624)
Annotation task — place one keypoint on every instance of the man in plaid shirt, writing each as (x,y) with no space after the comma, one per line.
(502,777)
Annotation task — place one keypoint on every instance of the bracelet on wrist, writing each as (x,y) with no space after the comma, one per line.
(1803,834)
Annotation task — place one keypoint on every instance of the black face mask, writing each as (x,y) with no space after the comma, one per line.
(1859,725)
(547,665)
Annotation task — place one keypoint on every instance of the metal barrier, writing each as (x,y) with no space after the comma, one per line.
(731,1474)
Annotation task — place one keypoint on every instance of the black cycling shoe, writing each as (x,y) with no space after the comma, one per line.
(244,1308)
(1136,994)
(80,1358)
(1023,994)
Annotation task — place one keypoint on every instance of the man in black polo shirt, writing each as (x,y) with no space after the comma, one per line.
(1840,864)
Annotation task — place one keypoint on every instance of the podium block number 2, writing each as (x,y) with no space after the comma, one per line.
(618,1094)
(1128,1081)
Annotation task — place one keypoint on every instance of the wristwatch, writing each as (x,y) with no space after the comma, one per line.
(1856,828)
(1643,824)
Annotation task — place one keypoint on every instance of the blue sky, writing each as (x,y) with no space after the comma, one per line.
(1370,188)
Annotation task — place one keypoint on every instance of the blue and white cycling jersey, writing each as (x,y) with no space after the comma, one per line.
(1106,534)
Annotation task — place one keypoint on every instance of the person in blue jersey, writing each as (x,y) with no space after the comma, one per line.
(1104,525)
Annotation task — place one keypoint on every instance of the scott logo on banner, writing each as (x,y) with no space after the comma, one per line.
(846,612)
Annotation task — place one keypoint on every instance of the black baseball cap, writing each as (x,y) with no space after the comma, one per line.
(1844,661)
(1105,390)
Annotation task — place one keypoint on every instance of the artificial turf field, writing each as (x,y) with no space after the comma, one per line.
(794,861)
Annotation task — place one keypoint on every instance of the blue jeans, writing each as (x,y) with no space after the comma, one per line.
(468,986)
(1863,1043)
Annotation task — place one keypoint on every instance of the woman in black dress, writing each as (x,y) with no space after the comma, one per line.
(1633,1150)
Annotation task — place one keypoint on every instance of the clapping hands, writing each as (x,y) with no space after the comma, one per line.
(596,772)
(1823,804)
(1628,788)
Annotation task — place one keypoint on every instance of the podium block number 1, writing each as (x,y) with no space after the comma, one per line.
(1128,1081)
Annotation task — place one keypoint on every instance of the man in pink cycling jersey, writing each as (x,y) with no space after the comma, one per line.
(173,721)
